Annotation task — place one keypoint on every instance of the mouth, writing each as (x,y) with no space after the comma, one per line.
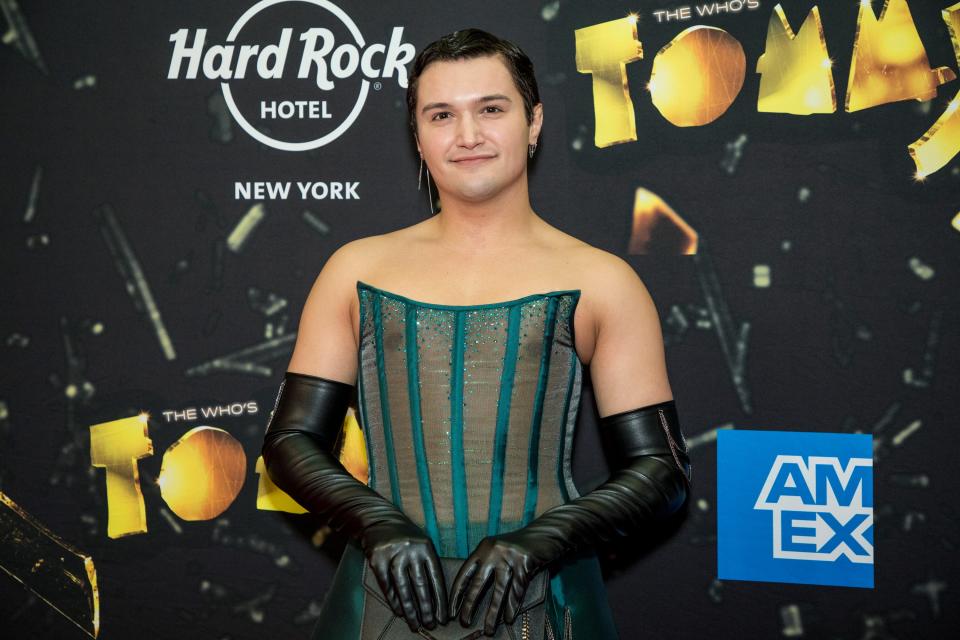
(473,160)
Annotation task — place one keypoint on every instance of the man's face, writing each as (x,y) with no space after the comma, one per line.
(472,128)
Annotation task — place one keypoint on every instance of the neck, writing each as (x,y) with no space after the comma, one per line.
(478,227)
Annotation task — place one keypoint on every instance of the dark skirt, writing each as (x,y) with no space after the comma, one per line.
(577,597)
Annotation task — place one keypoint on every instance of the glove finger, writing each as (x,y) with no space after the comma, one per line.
(460,584)
(501,584)
(395,603)
(518,589)
(398,571)
(435,572)
(382,574)
(422,590)
(474,594)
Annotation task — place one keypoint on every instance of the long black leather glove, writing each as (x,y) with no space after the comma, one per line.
(651,481)
(299,455)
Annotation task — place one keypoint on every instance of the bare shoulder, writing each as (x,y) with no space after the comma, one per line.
(349,262)
(612,291)
(335,275)
(327,336)
(609,277)
(361,249)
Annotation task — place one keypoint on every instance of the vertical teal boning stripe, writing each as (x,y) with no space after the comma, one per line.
(457,463)
(533,452)
(385,406)
(503,417)
(564,426)
(362,400)
(416,422)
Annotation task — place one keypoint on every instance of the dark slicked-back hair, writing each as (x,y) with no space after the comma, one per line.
(474,43)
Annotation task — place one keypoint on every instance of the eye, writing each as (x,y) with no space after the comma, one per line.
(494,107)
(439,113)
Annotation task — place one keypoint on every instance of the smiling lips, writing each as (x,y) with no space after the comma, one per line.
(470,160)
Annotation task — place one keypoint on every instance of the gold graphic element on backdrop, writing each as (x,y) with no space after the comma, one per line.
(244,228)
(353,456)
(53,570)
(941,142)
(603,51)
(658,229)
(889,64)
(202,473)
(697,76)
(796,70)
(889,61)
(116,446)
(270,497)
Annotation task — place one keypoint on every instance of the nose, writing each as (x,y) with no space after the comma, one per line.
(469,134)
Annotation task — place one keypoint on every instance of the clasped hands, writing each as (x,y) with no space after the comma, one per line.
(410,576)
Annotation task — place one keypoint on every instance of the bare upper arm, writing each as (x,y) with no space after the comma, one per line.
(326,345)
(628,368)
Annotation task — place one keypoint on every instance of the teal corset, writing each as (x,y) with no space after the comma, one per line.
(468,413)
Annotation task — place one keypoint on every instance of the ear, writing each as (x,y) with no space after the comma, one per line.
(419,150)
(537,123)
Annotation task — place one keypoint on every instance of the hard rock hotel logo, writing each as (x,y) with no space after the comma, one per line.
(334,58)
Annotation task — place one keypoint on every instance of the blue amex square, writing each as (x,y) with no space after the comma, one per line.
(795,507)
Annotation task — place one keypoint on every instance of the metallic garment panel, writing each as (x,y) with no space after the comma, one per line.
(468,411)
(556,407)
(512,486)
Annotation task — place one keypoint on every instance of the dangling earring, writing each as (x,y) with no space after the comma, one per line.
(531,149)
(420,183)
(429,193)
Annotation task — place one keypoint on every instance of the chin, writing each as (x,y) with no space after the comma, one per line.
(477,189)
(478,193)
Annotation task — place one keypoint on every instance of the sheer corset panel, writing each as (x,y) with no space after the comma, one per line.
(468,412)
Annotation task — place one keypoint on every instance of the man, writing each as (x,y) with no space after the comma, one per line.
(476,117)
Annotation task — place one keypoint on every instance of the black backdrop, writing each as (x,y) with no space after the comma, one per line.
(856,332)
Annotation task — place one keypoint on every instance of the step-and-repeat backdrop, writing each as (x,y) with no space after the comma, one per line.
(782,176)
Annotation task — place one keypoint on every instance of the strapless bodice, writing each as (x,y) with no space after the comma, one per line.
(468,411)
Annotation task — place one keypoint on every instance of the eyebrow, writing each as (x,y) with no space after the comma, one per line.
(445,105)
